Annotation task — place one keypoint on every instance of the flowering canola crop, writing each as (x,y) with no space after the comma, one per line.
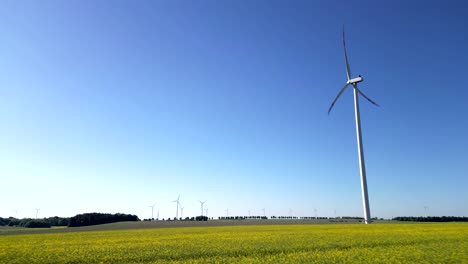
(339,243)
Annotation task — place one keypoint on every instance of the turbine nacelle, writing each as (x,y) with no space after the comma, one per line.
(355,80)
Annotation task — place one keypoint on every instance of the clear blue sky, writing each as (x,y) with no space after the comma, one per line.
(111,106)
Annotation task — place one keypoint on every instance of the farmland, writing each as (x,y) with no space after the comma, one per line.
(317,243)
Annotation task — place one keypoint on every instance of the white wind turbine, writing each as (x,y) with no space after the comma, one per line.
(201,206)
(177,206)
(354,82)
(152,210)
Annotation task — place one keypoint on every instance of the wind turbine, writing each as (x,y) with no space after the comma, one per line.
(206,212)
(263,209)
(37,211)
(201,206)
(227,212)
(353,82)
(152,209)
(182,212)
(177,206)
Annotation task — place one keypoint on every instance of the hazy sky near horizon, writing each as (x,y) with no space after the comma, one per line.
(112,106)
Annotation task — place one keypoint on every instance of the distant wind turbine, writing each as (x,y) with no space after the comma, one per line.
(152,209)
(263,209)
(227,212)
(353,82)
(177,206)
(201,206)
(37,211)
(182,212)
(206,212)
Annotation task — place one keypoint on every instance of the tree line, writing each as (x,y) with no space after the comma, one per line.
(32,223)
(241,217)
(100,218)
(196,218)
(75,221)
(432,218)
(288,217)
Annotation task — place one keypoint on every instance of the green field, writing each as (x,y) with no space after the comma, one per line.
(318,243)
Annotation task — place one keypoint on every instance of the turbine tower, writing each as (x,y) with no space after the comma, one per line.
(201,206)
(37,211)
(206,212)
(182,212)
(353,82)
(177,206)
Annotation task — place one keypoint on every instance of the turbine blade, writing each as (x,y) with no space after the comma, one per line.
(348,69)
(368,99)
(338,96)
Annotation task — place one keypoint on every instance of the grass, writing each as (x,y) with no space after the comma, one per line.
(344,243)
(5,230)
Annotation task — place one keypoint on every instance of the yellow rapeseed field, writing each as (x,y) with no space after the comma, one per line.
(340,243)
